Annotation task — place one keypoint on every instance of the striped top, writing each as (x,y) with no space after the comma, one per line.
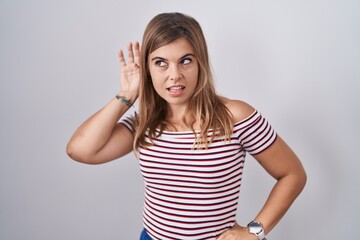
(193,194)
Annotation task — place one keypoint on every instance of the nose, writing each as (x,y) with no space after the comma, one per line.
(174,72)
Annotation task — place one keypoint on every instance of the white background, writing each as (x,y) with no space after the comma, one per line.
(297,62)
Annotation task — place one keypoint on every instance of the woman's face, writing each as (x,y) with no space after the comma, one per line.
(174,71)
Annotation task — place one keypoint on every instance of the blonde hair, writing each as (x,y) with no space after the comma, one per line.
(205,106)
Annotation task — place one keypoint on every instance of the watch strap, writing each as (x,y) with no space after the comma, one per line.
(261,235)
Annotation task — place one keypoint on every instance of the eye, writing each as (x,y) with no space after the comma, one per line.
(186,61)
(160,63)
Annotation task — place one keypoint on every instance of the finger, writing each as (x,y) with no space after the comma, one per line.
(130,53)
(221,237)
(122,58)
(137,53)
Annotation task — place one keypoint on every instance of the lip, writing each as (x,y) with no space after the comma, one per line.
(176,89)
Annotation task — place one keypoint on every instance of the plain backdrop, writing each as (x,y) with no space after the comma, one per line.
(297,62)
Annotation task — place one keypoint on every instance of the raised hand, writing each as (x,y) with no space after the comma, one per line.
(130,70)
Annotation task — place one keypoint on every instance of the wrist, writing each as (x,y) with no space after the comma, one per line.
(123,100)
(257,229)
(128,96)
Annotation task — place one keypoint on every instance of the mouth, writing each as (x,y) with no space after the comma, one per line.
(176,89)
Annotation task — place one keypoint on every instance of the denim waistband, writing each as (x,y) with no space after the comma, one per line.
(144,235)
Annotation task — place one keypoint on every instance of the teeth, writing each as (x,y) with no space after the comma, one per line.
(176,88)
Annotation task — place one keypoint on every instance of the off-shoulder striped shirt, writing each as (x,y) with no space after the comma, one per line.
(193,193)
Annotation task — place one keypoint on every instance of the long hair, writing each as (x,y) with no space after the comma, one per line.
(204,106)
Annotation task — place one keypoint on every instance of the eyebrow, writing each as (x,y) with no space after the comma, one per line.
(186,55)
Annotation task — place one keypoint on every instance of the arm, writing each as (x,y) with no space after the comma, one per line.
(282,164)
(101,138)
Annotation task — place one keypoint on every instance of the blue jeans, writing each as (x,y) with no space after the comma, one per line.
(144,235)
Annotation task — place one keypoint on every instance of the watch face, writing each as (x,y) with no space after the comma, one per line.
(255,227)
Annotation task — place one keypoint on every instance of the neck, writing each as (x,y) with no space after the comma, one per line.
(176,113)
(175,118)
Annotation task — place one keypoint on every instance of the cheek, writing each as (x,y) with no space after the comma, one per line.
(156,79)
(193,75)
(157,82)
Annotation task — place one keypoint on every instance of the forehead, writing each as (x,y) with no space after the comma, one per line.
(174,49)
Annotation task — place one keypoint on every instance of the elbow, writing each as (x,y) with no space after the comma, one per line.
(299,181)
(302,179)
(70,151)
(295,180)
(76,154)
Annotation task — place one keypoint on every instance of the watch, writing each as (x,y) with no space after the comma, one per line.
(256,228)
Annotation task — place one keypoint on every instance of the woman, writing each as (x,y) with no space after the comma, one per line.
(191,143)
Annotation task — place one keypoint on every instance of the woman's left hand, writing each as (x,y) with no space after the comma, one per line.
(237,233)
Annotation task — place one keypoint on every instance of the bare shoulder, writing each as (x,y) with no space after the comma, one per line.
(239,109)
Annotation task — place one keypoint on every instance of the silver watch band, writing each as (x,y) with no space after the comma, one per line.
(261,235)
(256,228)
